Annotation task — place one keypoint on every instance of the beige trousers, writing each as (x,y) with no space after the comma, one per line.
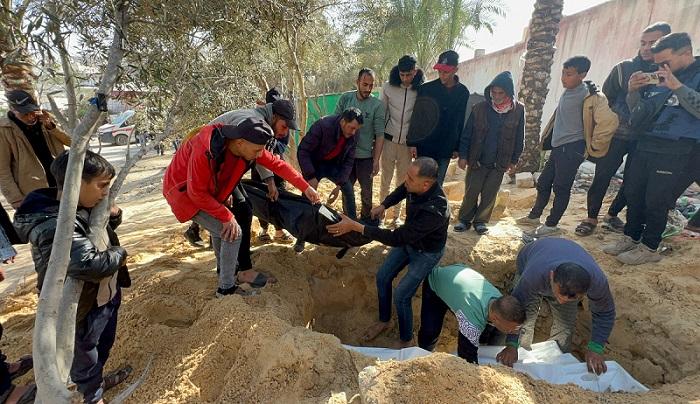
(395,160)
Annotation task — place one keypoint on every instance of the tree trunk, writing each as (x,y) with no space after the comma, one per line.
(544,27)
(50,387)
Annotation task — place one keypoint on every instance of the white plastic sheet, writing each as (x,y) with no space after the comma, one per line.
(544,362)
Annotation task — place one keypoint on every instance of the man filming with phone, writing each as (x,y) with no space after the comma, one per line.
(668,117)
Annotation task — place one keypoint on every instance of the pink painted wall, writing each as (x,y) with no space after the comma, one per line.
(606,34)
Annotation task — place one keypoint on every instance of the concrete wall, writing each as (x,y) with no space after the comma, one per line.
(606,34)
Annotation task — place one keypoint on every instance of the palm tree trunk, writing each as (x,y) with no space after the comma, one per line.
(544,27)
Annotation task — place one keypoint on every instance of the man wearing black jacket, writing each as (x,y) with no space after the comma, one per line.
(439,114)
(625,139)
(418,244)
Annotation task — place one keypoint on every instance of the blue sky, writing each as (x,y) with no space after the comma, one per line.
(509,30)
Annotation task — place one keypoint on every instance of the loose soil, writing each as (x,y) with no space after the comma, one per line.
(285,345)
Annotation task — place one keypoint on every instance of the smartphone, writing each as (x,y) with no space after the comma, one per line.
(652,78)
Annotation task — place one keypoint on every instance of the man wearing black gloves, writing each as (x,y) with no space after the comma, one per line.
(418,244)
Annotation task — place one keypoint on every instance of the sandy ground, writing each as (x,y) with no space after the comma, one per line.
(284,345)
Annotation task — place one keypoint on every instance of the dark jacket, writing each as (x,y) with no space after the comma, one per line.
(7,227)
(427,219)
(35,222)
(538,258)
(490,138)
(615,89)
(321,140)
(447,109)
(680,116)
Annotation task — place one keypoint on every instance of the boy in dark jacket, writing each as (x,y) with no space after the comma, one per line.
(491,144)
(418,244)
(103,272)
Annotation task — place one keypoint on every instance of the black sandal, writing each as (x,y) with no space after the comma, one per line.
(116,377)
(26,363)
(585,229)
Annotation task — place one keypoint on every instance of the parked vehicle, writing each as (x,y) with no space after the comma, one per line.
(118,132)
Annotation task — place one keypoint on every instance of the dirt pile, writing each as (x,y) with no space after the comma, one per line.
(278,347)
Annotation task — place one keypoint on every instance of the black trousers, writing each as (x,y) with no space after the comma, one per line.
(558,175)
(650,183)
(281,185)
(605,169)
(362,173)
(243,212)
(432,315)
(5,383)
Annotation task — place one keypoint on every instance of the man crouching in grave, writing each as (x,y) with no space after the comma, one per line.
(419,244)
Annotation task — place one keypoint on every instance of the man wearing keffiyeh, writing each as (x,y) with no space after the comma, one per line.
(490,145)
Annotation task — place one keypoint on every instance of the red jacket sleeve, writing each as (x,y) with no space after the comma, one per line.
(284,170)
(199,176)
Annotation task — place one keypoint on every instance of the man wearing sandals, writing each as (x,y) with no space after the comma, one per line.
(202,175)
(490,145)
(624,142)
(419,244)
(581,126)
(279,114)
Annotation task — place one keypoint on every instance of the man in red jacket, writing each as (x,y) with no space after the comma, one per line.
(204,172)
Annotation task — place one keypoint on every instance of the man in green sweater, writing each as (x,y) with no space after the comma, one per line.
(474,301)
(370,137)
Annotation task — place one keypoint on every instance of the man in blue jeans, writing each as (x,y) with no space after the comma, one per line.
(328,151)
(418,244)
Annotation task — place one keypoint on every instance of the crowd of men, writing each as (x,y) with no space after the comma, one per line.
(648,109)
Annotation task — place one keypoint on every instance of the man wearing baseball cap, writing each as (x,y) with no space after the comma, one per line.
(30,139)
(443,103)
(203,174)
(280,116)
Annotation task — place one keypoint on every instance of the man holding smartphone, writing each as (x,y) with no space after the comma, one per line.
(30,139)
(615,89)
(669,114)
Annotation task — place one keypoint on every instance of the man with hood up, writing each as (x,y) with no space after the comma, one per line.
(490,145)
(399,96)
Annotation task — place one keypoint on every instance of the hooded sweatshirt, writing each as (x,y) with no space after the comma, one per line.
(488,134)
(398,103)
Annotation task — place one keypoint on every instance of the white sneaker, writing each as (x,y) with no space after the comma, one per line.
(546,231)
(641,254)
(620,246)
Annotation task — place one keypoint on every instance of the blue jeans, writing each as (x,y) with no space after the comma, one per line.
(420,264)
(331,170)
(442,169)
(94,337)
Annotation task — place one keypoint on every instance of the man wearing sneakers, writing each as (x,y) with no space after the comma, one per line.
(624,141)
(491,144)
(581,126)
(669,115)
